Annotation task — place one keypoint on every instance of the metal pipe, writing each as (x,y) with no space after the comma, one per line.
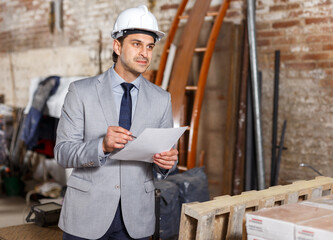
(275,116)
(255,93)
(309,166)
(278,160)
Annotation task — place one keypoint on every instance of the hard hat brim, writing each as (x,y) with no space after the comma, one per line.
(120,33)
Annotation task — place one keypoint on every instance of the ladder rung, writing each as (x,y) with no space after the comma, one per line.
(208,14)
(202,49)
(212,14)
(191,88)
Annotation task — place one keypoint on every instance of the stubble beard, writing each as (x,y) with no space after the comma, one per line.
(132,70)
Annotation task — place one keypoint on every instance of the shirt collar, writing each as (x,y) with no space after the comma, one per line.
(117,80)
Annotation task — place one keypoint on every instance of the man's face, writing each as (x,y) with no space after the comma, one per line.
(135,54)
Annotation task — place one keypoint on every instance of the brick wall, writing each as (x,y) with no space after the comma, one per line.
(303,31)
(24,29)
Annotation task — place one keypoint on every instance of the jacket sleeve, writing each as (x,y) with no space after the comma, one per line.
(167,122)
(71,151)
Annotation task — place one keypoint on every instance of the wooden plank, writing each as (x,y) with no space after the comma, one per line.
(266,202)
(231,115)
(235,226)
(220,226)
(188,224)
(184,54)
(238,179)
(205,227)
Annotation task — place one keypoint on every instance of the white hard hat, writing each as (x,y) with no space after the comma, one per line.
(139,19)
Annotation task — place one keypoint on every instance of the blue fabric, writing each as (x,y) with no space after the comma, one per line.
(125,115)
(116,231)
(31,121)
(118,91)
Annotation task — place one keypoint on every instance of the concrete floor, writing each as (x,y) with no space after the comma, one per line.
(13,211)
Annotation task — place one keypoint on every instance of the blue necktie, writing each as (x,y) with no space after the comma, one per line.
(125,115)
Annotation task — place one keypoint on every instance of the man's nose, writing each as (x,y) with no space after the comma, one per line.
(144,52)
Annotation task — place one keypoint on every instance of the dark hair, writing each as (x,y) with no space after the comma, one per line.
(114,54)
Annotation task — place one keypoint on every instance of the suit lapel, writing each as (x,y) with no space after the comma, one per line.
(105,95)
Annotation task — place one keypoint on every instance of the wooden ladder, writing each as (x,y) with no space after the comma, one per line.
(178,86)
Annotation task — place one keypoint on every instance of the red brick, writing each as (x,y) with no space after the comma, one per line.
(315,47)
(263,42)
(326,83)
(169,6)
(295,14)
(277,8)
(284,7)
(301,66)
(319,38)
(288,57)
(263,25)
(327,2)
(259,3)
(286,24)
(328,47)
(285,40)
(326,29)
(317,20)
(281,1)
(231,14)
(269,34)
(325,64)
(316,56)
(329,72)
(293,6)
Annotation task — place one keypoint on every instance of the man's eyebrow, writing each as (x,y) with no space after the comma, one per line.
(138,40)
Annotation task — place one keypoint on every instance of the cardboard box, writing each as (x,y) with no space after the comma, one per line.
(278,223)
(322,202)
(315,229)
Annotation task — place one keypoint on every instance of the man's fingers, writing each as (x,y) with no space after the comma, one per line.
(117,129)
(119,145)
(164,164)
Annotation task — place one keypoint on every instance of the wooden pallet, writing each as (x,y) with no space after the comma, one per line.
(224,216)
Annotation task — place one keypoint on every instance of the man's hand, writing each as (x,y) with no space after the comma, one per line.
(166,160)
(116,138)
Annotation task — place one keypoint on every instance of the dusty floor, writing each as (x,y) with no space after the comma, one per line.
(13,210)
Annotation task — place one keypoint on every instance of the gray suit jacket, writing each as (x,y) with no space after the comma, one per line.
(94,188)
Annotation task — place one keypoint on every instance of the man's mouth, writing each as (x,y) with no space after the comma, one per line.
(142,61)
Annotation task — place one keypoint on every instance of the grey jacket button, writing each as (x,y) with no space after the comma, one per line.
(117,187)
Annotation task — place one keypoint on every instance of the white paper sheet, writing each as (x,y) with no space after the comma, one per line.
(150,142)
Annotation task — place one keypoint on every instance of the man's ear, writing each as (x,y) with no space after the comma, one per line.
(116,47)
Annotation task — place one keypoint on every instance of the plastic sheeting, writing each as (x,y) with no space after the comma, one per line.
(55,102)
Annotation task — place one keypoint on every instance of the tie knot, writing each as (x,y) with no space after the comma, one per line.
(127,86)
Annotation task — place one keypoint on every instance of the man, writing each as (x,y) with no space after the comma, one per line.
(106,198)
